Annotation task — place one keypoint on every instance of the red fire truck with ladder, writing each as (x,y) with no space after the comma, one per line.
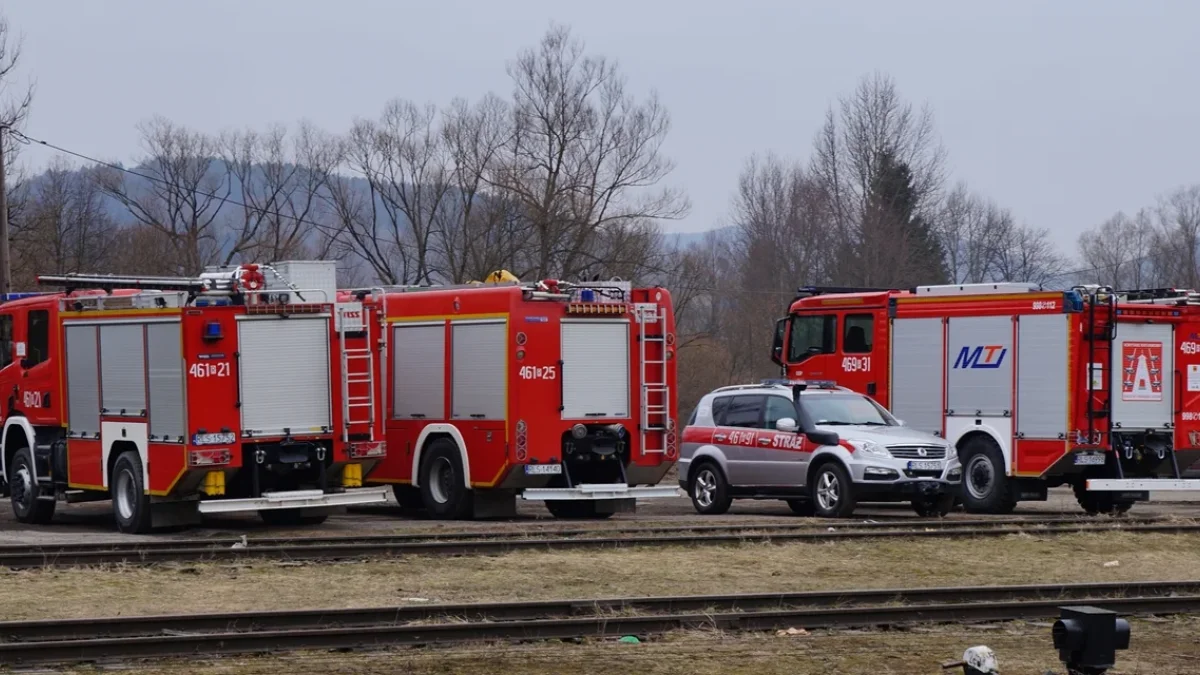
(176,397)
(1092,388)
(554,391)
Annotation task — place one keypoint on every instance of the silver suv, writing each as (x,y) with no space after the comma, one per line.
(820,447)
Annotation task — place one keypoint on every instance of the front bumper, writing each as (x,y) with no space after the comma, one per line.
(598,491)
(901,478)
(295,499)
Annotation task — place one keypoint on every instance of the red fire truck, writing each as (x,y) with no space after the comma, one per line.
(555,391)
(1090,387)
(176,397)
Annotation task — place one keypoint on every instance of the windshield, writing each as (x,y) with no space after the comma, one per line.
(846,409)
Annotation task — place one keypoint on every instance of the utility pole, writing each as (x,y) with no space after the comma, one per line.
(5,264)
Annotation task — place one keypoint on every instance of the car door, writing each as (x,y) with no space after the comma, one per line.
(737,436)
(784,451)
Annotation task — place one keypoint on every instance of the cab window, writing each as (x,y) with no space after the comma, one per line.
(744,411)
(812,334)
(6,332)
(719,406)
(38,337)
(778,408)
(859,334)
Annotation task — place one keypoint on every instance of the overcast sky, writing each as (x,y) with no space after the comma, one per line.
(1064,111)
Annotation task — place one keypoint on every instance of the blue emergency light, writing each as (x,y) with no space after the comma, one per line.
(587,295)
(815,384)
(9,297)
(212,330)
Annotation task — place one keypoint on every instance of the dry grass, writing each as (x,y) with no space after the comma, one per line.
(584,574)
(1162,648)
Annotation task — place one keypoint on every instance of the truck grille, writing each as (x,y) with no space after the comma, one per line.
(914,451)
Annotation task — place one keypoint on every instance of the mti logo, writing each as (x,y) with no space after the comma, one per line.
(986,356)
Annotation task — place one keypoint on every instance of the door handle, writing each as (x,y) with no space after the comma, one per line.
(764,441)
(719,437)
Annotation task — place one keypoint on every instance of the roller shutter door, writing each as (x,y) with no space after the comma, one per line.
(284,375)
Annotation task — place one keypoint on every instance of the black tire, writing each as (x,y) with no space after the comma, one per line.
(408,497)
(290,518)
(441,480)
(131,504)
(985,488)
(22,483)
(708,489)
(579,510)
(802,507)
(1099,503)
(831,492)
(934,507)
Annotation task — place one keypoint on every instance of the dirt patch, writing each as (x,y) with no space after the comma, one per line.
(587,574)
(1162,647)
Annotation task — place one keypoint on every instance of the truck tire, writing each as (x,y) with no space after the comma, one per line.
(131,504)
(832,493)
(22,482)
(1099,503)
(566,508)
(442,488)
(985,488)
(708,489)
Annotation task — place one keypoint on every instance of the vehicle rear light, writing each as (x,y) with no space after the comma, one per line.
(209,457)
(522,441)
(364,450)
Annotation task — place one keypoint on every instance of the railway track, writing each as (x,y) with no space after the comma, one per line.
(491,543)
(117,638)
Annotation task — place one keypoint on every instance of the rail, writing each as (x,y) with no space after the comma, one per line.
(114,638)
(495,543)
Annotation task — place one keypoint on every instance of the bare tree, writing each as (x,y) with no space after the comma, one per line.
(585,157)
(1178,236)
(179,189)
(65,227)
(279,181)
(1121,251)
(15,103)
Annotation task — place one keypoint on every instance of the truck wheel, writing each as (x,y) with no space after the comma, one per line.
(802,507)
(408,497)
(289,518)
(25,491)
(131,504)
(708,489)
(934,507)
(832,491)
(1099,503)
(985,488)
(442,482)
(566,508)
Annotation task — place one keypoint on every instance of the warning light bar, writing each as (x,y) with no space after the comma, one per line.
(814,384)
(596,308)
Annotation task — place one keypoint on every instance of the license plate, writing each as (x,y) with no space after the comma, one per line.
(542,469)
(924,466)
(1089,459)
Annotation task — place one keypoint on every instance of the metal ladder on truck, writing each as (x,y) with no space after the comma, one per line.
(357,371)
(656,393)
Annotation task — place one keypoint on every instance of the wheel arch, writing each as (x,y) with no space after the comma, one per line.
(985,434)
(826,457)
(431,433)
(119,448)
(18,433)
(710,454)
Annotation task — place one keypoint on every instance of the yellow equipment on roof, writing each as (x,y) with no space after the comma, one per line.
(499,276)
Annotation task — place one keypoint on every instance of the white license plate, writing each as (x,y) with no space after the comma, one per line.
(924,466)
(542,469)
(1090,459)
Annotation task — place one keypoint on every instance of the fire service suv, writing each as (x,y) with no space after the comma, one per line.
(556,391)
(1035,389)
(176,397)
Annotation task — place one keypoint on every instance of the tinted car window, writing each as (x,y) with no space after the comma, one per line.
(719,406)
(744,411)
(778,408)
(859,336)
(846,409)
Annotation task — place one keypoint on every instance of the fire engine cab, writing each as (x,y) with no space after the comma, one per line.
(177,397)
(554,391)
(1090,388)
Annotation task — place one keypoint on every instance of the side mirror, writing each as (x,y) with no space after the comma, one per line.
(823,437)
(777,344)
(787,425)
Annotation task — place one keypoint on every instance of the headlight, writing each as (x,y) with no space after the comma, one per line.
(871,448)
